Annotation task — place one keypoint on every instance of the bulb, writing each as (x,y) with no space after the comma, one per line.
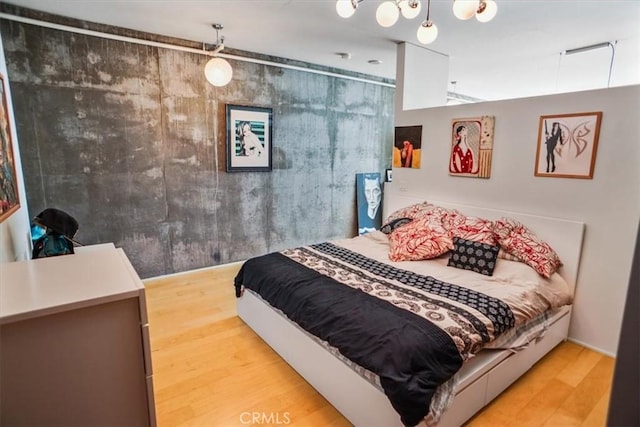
(387,14)
(345,8)
(489,12)
(408,11)
(427,32)
(218,71)
(465,9)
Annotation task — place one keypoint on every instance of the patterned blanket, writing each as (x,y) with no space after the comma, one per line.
(413,331)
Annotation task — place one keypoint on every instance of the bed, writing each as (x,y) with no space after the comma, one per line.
(361,396)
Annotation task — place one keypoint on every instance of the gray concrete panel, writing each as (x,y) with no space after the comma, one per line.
(131,141)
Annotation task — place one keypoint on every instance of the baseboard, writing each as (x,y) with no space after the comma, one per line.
(180,273)
(591,347)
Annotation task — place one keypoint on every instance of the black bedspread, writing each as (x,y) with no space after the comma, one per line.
(410,354)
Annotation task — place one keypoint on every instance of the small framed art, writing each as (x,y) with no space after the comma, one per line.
(471,147)
(249,131)
(407,147)
(567,145)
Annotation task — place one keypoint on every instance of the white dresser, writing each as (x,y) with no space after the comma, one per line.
(74,342)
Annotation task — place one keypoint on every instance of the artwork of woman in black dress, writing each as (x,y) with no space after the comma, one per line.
(551,142)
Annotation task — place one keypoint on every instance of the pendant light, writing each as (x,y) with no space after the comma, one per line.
(218,71)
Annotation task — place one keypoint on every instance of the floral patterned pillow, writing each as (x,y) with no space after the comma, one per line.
(414,211)
(519,241)
(423,238)
(470,228)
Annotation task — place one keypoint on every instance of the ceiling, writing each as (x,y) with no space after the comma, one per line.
(517,54)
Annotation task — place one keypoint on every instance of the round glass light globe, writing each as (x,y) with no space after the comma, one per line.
(408,11)
(489,12)
(465,9)
(218,71)
(428,34)
(345,9)
(387,14)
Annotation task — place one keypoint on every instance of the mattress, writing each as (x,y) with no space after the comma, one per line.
(353,280)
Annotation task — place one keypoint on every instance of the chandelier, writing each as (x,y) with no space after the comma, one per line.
(389,11)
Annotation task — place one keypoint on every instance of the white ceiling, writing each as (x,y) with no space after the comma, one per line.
(517,54)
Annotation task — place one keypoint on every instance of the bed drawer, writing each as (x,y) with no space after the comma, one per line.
(518,363)
(467,402)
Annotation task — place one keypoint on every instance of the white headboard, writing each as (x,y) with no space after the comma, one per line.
(564,236)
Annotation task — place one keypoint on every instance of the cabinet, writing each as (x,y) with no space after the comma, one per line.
(74,342)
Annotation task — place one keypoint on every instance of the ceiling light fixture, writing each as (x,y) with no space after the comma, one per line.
(428,31)
(389,11)
(487,10)
(218,71)
(410,8)
(346,8)
(465,9)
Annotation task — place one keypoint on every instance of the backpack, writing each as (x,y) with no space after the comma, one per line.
(52,233)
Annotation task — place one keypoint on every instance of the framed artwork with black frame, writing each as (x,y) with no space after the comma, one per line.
(9,197)
(249,131)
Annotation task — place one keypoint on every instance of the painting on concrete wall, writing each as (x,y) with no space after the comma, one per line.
(9,198)
(471,147)
(567,145)
(407,147)
(249,131)
(368,199)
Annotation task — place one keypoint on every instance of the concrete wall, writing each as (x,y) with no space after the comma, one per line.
(608,204)
(15,237)
(130,140)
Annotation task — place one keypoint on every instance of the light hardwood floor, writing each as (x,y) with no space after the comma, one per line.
(210,369)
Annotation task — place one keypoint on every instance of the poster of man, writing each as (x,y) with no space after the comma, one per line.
(368,199)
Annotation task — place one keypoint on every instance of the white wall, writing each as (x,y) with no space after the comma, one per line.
(609,204)
(15,243)
(425,88)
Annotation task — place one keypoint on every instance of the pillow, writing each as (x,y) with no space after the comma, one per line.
(414,211)
(390,226)
(470,227)
(474,256)
(506,255)
(518,240)
(422,238)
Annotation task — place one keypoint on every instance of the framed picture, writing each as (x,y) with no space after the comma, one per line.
(9,198)
(471,147)
(389,175)
(249,131)
(567,145)
(368,200)
(407,147)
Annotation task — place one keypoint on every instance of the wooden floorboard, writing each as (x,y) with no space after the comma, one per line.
(210,369)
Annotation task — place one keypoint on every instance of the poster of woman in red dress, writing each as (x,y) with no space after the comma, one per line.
(471,147)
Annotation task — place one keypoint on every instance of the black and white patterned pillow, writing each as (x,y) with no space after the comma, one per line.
(474,256)
(392,225)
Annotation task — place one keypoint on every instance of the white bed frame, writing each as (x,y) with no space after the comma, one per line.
(482,378)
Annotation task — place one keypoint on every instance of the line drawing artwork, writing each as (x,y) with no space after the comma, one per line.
(567,145)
